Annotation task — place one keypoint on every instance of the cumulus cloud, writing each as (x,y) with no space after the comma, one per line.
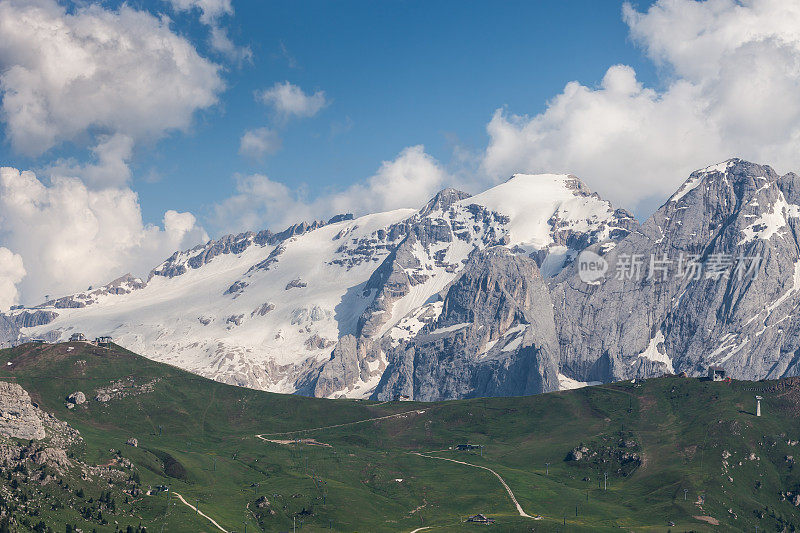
(289,100)
(259,142)
(11,272)
(69,236)
(67,75)
(260,202)
(733,89)
(109,168)
(409,180)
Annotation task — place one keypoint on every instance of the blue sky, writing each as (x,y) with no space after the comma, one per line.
(130,130)
(395,74)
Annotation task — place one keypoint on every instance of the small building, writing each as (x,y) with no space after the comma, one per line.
(480,519)
(462,447)
(77,337)
(37,341)
(716,373)
(103,341)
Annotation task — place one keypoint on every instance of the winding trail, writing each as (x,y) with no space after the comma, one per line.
(520,510)
(415,411)
(201,513)
(508,489)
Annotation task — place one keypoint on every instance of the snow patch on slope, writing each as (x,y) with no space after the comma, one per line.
(770,221)
(567,383)
(653,352)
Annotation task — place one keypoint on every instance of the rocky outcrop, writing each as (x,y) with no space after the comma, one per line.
(390,282)
(351,363)
(19,418)
(443,200)
(30,319)
(495,337)
(263,309)
(77,398)
(55,457)
(296,284)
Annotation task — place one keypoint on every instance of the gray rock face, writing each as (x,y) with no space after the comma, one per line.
(29,319)
(19,418)
(9,332)
(350,364)
(722,217)
(495,337)
(423,249)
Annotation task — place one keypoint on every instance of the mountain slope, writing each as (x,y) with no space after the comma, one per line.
(268,310)
(474,295)
(358,470)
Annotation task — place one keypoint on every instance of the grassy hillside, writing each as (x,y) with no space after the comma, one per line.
(655,440)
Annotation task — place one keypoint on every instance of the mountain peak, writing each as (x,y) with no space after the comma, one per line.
(735,172)
(569,182)
(443,200)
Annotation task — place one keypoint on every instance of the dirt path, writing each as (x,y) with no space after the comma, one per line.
(201,513)
(508,489)
(414,411)
(286,442)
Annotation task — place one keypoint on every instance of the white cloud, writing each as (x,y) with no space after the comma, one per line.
(260,202)
(110,168)
(410,180)
(211,11)
(733,90)
(70,236)
(65,76)
(626,141)
(290,100)
(222,43)
(11,272)
(259,142)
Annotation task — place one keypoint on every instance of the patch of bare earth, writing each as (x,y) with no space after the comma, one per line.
(709,519)
(308,442)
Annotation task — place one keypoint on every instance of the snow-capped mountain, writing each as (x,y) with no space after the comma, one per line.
(474,295)
(324,308)
(735,227)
